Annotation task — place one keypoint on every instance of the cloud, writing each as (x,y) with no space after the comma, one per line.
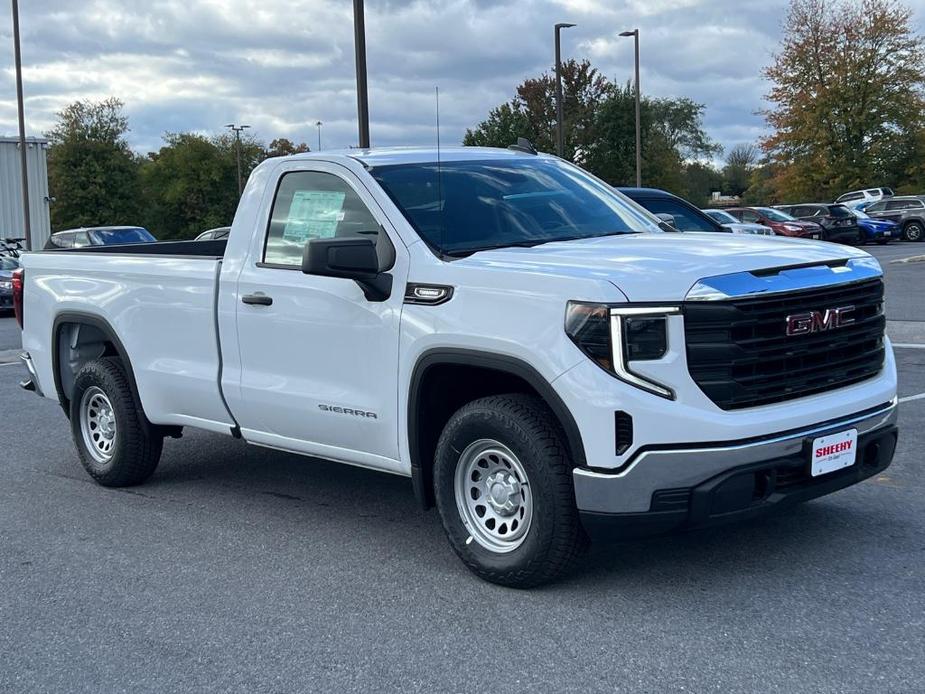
(280,66)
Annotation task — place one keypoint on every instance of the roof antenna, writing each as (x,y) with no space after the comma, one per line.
(523,145)
(439,172)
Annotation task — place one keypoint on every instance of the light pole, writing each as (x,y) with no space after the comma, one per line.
(635,34)
(238,129)
(560,132)
(17,57)
(319,124)
(359,40)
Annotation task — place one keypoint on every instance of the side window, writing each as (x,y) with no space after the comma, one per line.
(875,192)
(899,204)
(749,216)
(313,205)
(876,207)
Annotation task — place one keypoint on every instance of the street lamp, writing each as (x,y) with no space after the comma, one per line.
(17,57)
(238,129)
(359,41)
(560,134)
(635,34)
(319,124)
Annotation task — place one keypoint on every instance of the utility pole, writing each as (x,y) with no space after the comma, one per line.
(359,40)
(319,124)
(238,129)
(560,132)
(635,34)
(17,57)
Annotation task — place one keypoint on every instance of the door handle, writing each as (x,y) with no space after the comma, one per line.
(257,299)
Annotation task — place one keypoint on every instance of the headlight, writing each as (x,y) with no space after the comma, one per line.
(792,227)
(614,336)
(6,284)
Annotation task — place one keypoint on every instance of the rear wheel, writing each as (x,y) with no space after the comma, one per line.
(116,445)
(503,484)
(913,231)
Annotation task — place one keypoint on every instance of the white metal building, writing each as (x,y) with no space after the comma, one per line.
(11,217)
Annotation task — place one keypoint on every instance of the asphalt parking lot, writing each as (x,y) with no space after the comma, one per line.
(242,569)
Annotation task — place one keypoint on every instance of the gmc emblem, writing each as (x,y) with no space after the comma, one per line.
(817,321)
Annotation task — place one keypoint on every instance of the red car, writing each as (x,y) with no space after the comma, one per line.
(782,223)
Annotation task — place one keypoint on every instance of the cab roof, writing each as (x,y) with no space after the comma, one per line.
(388,156)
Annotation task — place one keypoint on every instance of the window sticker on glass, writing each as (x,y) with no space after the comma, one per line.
(314,214)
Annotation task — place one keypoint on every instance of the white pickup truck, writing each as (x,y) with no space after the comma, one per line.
(525,343)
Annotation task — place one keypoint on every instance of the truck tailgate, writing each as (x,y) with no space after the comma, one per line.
(161,309)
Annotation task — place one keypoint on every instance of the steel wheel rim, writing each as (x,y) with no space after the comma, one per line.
(493,496)
(98,424)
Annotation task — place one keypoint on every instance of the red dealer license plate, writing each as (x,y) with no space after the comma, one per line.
(834,452)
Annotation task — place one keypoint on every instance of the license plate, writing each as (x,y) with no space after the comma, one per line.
(815,236)
(834,452)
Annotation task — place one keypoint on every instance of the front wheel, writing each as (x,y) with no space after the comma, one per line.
(116,445)
(913,231)
(503,485)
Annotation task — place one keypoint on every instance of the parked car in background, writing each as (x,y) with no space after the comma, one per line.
(908,211)
(98,236)
(858,198)
(737,227)
(837,222)
(782,223)
(684,216)
(7,266)
(216,234)
(876,230)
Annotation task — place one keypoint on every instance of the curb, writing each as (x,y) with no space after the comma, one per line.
(910,259)
(9,356)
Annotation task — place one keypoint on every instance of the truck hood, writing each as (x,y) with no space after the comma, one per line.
(660,267)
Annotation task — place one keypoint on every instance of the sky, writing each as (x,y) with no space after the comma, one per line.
(282,65)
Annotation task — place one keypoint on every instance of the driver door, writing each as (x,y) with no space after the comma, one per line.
(318,359)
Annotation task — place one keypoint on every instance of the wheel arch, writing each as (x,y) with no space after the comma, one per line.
(101,340)
(484,373)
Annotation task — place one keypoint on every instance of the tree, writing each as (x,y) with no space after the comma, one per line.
(92,173)
(846,85)
(281,147)
(600,122)
(740,163)
(190,184)
(532,112)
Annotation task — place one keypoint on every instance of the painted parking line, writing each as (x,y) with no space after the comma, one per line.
(910,398)
(11,363)
(910,346)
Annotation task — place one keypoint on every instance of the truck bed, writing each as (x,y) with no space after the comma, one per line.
(189,249)
(161,308)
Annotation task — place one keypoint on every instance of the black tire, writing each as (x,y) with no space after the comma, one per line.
(554,538)
(913,231)
(136,448)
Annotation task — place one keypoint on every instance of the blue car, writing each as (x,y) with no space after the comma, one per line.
(877,230)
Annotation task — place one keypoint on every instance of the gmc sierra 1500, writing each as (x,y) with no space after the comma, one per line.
(526,344)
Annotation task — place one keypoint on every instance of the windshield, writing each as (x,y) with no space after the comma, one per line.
(464,206)
(860,214)
(775,215)
(106,237)
(839,211)
(722,217)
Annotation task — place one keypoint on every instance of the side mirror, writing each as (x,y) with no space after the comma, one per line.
(348,257)
(353,258)
(667,222)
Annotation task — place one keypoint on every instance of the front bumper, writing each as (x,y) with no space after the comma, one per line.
(672,487)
